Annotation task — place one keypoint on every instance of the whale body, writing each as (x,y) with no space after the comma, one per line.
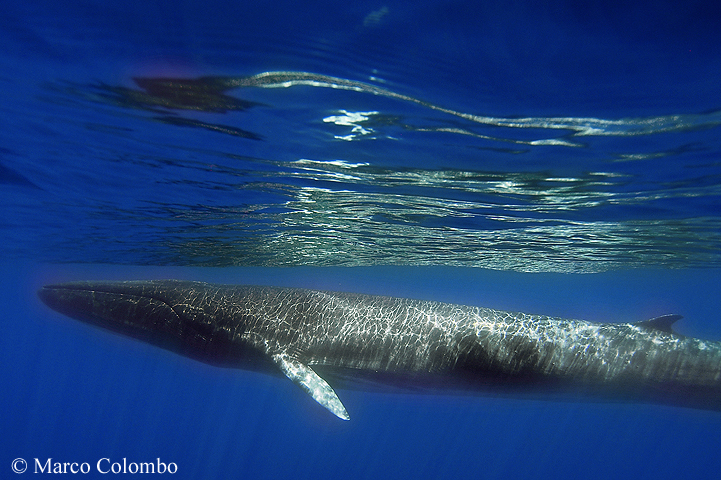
(349,340)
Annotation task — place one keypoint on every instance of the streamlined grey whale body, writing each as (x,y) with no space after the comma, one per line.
(353,340)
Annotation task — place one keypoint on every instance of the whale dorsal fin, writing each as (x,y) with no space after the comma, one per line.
(304,376)
(662,323)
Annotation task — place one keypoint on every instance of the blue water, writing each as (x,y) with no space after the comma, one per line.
(560,159)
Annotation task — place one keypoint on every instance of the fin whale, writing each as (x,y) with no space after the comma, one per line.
(318,339)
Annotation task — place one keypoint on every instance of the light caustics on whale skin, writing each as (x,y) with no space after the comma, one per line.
(579,126)
(316,337)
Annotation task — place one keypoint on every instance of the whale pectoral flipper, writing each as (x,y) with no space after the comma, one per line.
(308,380)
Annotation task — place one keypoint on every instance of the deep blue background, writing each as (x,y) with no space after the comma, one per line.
(74,394)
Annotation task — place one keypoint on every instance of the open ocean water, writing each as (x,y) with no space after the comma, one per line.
(561,159)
